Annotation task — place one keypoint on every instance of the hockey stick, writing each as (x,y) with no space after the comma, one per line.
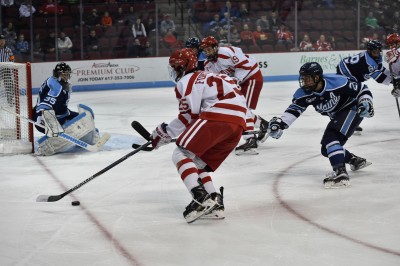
(146,134)
(47,198)
(80,143)
(392,77)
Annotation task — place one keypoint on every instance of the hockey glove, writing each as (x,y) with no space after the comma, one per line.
(396,87)
(276,127)
(160,136)
(53,127)
(365,108)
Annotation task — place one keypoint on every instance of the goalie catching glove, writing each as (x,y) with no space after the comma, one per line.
(396,87)
(276,127)
(365,108)
(160,136)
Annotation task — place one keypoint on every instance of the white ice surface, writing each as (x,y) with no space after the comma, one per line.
(277,211)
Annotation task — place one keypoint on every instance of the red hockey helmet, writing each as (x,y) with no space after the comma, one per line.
(392,39)
(210,47)
(182,62)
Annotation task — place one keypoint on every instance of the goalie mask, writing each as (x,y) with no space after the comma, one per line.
(62,72)
(374,49)
(311,74)
(210,47)
(182,62)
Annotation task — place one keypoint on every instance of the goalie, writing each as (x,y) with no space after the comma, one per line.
(52,111)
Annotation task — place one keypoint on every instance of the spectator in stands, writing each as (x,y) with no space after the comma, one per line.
(131,16)
(246,35)
(222,37)
(170,40)
(261,37)
(322,45)
(235,37)
(284,36)
(106,20)
(332,41)
(37,45)
(138,29)
(167,25)
(49,45)
(22,45)
(306,44)
(244,14)
(64,43)
(26,9)
(274,22)
(150,26)
(7,2)
(119,17)
(228,8)
(214,24)
(263,22)
(50,8)
(92,42)
(93,19)
(10,34)
(134,49)
(226,22)
(371,22)
(147,49)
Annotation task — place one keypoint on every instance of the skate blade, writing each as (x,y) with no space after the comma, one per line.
(214,215)
(357,133)
(361,167)
(340,184)
(252,151)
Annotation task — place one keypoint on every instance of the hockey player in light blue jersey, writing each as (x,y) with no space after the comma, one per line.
(194,44)
(345,102)
(52,112)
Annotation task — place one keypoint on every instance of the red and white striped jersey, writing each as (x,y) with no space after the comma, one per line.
(234,63)
(208,96)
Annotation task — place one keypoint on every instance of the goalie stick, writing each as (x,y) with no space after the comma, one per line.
(47,198)
(146,134)
(392,77)
(80,143)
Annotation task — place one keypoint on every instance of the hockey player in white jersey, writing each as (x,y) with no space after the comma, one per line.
(211,120)
(231,60)
(392,58)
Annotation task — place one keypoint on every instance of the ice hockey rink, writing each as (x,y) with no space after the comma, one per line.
(277,211)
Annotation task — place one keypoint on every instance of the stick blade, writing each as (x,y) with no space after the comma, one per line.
(47,198)
(141,130)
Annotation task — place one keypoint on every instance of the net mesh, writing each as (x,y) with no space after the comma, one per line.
(16,134)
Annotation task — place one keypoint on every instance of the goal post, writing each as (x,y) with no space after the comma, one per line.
(16,134)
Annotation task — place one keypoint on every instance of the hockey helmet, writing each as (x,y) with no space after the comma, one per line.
(311,74)
(62,71)
(392,40)
(193,42)
(182,62)
(210,47)
(374,49)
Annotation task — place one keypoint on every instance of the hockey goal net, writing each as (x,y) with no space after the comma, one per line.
(16,133)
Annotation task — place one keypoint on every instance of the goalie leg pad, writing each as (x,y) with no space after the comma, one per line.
(81,127)
(53,127)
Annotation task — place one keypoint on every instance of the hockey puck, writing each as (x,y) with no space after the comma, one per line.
(75,203)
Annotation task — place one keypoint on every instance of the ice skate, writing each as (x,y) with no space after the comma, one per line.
(219,211)
(262,137)
(357,163)
(249,147)
(336,179)
(201,204)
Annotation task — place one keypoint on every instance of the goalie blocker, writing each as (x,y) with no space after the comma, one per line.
(81,127)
